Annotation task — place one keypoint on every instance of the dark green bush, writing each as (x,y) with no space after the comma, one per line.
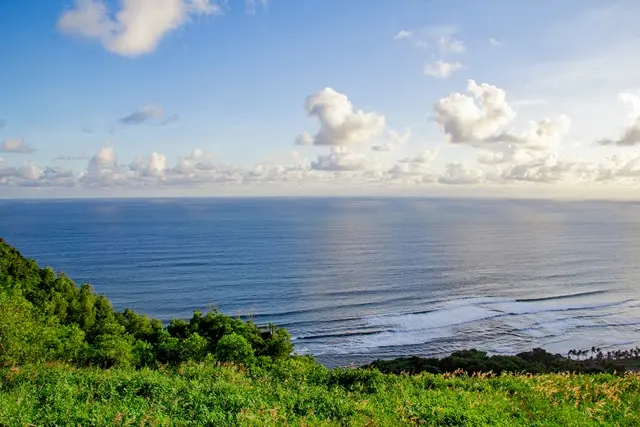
(234,348)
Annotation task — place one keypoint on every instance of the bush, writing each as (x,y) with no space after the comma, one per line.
(112,350)
(143,354)
(234,348)
(194,348)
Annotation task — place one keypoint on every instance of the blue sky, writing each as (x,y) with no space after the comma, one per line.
(232,79)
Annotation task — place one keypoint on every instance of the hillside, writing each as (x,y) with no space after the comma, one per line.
(68,358)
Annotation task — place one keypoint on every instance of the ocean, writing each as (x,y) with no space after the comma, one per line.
(356,279)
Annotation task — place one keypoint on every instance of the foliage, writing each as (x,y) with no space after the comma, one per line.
(51,319)
(536,361)
(296,391)
(234,348)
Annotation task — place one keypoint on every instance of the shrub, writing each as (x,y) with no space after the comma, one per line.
(194,348)
(234,348)
(112,350)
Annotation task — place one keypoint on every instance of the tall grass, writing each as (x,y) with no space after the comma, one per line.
(301,392)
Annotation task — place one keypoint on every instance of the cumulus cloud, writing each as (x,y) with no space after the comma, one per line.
(623,169)
(394,140)
(416,169)
(551,169)
(341,159)
(424,157)
(340,123)
(342,166)
(460,174)
(104,160)
(30,175)
(137,27)
(304,138)
(631,134)
(480,120)
(466,119)
(16,146)
(31,171)
(441,69)
(143,115)
(450,45)
(153,165)
(197,160)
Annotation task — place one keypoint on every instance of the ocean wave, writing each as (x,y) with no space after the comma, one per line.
(563,296)
(538,321)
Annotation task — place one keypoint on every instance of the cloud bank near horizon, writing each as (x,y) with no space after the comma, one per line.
(359,146)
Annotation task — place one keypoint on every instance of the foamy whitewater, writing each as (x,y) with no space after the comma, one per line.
(359,279)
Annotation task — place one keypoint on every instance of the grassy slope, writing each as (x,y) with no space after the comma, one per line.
(301,393)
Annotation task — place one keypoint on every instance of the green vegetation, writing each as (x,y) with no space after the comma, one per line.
(298,391)
(537,361)
(49,318)
(68,358)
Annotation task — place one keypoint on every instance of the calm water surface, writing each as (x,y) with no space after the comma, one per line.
(358,279)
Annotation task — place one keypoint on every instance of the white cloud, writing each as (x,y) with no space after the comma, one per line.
(402,34)
(31,171)
(450,45)
(154,165)
(341,159)
(104,160)
(137,27)
(631,134)
(416,169)
(551,169)
(424,157)
(341,167)
(466,119)
(198,154)
(394,140)
(340,124)
(198,160)
(441,69)
(460,174)
(504,153)
(304,138)
(480,120)
(16,146)
(30,175)
(621,169)
(493,42)
(539,136)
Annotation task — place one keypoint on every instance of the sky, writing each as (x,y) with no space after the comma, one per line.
(320,97)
